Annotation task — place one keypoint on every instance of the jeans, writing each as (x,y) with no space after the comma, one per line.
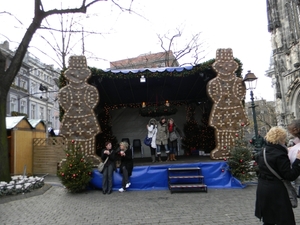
(125,179)
(173,147)
(107,178)
(158,152)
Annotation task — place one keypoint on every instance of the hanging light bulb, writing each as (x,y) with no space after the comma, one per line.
(167,103)
(144,104)
(142,79)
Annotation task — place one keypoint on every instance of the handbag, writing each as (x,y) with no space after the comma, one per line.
(101,165)
(289,187)
(147,141)
(173,136)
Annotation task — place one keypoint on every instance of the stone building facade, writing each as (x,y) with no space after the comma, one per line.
(34,90)
(284,26)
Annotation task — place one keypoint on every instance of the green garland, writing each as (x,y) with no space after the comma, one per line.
(157,111)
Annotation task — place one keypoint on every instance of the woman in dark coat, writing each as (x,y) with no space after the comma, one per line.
(273,205)
(126,166)
(109,168)
(174,134)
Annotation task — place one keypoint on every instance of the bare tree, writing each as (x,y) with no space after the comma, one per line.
(9,72)
(265,117)
(192,47)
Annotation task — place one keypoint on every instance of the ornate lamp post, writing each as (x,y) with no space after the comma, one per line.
(250,81)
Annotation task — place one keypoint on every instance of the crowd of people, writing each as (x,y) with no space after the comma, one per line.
(164,135)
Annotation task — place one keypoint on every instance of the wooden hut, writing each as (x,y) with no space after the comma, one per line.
(19,133)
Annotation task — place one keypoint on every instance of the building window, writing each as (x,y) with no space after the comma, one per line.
(23,107)
(41,113)
(33,88)
(23,84)
(13,104)
(32,111)
(49,116)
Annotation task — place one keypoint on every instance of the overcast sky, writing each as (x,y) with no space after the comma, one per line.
(237,24)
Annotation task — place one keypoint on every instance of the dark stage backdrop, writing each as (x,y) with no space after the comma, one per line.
(128,123)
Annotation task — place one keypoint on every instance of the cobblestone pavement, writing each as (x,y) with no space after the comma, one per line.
(57,206)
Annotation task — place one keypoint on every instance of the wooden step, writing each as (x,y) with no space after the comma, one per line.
(182,177)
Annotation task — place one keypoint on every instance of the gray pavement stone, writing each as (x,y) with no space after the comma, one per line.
(57,206)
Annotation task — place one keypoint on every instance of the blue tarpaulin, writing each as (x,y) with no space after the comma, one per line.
(155,177)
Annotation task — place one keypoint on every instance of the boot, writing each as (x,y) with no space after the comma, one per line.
(174,157)
(159,159)
(153,158)
(168,157)
(171,157)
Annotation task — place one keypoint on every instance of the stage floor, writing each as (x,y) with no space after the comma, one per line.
(147,161)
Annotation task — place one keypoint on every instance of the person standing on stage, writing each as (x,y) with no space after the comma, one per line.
(152,130)
(174,134)
(162,138)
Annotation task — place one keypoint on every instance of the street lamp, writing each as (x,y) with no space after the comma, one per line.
(250,81)
(45,88)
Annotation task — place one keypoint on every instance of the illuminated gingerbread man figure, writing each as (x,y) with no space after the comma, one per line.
(228,113)
(78,99)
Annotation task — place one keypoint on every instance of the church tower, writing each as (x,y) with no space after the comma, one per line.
(284,26)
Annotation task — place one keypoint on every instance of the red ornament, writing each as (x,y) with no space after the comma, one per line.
(74,175)
(222,170)
(224,147)
(70,165)
(255,164)
(250,141)
(225,159)
(82,160)
(67,155)
(242,124)
(243,172)
(62,174)
(73,141)
(241,160)
(236,134)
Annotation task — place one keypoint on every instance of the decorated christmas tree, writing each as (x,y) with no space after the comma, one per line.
(240,162)
(75,172)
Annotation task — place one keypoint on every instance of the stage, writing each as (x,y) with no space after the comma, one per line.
(154,176)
